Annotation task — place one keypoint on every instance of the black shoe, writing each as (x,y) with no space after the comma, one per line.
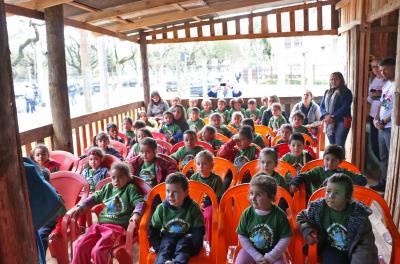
(379,187)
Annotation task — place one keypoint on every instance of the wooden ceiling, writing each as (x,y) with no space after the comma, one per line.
(126,17)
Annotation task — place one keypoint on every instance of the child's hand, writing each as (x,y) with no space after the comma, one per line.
(293,188)
(76,211)
(135,218)
(312,238)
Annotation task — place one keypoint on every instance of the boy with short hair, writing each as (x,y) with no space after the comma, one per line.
(252,111)
(177,227)
(170,129)
(192,103)
(112,131)
(313,179)
(277,119)
(257,139)
(286,132)
(103,141)
(186,153)
(216,121)
(223,111)
(208,135)
(297,156)
(127,123)
(207,111)
(297,123)
(195,122)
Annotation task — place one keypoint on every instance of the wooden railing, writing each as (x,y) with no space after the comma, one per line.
(84,128)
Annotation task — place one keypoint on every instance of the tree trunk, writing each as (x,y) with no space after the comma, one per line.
(85,71)
(145,68)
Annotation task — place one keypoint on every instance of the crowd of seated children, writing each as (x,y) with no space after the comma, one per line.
(206,111)
(195,122)
(180,117)
(140,135)
(297,156)
(277,119)
(314,178)
(286,132)
(123,203)
(148,165)
(252,111)
(41,155)
(216,122)
(143,117)
(176,228)
(236,120)
(189,150)
(205,162)
(223,111)
(339,225)
(257,138)
(192,103)
(112,131)
(208,135)
(170,129)
(264,231)
(95,171)
(127,123)
(103,141)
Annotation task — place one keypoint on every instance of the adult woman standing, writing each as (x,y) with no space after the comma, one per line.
(157,106)
(336,110)
(310,110)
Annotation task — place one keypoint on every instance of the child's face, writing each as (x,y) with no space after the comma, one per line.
(207,135)
(168,119)
(265,102)
(127,126)
(252,107)
(192,103)
(216,121)
(270,101)
(147,153)
(194,115)
(190,141)
(297,121)
(221,106)
(141,135)
(207,106)
(113,132)
(237,106)
(177,113)
(175,194)
(296,147)
(242,142)
(103,143)
(286,133)
(40,156)
(331,162)
(237,119)
(259,198)
(175,101)
(335,196)
(119,179)
(94,161)
(276,111)
(266,164)
(143,117)
(204,167)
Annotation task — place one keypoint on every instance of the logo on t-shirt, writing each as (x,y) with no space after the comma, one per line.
(337,236)
(262,237)
(147,175)
(240,161)
(186,159)
(167,134)
(114,206)
(177,226)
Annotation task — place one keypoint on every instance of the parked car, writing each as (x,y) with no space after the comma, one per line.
(171,86)
(95,87)
(129,83)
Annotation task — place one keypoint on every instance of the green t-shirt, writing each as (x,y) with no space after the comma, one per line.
(301,129)
(276,122)
(263,109)
(244,155)
(264,231)
(335,224)
(224,131)
(177,221)
(170,129)
(130,134)
(90,179)
(251,114)
(215,143)
(148,173)
(214,181)
(119,203)
(184,155)
(136,148)
(258,140)
(297,162)
(224,114)
(204,114)
(280,180)
(196,125)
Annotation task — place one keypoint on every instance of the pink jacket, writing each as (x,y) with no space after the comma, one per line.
(229,150)
(163,167)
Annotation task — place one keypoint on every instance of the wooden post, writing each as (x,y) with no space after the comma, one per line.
(17,243)
(58,89)
(145,67)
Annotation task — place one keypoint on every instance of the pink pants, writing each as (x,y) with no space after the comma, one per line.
(97,243)
(207,214)
(244,258)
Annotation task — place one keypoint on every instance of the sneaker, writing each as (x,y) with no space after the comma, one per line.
(379,187)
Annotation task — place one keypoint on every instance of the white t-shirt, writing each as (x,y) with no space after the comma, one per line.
(387,101)
(376,84)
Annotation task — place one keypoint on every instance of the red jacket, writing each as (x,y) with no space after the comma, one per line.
(229,150)
(163,167)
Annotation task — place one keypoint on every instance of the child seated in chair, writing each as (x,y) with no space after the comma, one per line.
(339,225)
(208,135)
(258,139)
(285,132)
(277,119)
(95,172)
(216,121)
(138,124)
(264,231)
(41,155)
(236,120)
(205,163)
(148,165)
(187,152)
(127,123)
(313,179)
(297,123)
(123,204)
(177,228)
(140,135)
(192,103)
(252,111)
(207,111)
(236,106)
(297,156)
(222,110)
(143,117)
(264,107)
(195,122)
(103,142)
(112,131)
(170,129)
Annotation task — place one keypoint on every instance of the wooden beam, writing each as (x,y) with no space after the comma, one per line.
(237,26)
(334,17)
(212,27)
(292,22)
(17,242)
(83,6)
(387,8)
(145,67)
(42,4)
(264,24)
(251,26)
(278,23)
(319,17)
(169,17)
(224,28)
(305,19)
(58,90)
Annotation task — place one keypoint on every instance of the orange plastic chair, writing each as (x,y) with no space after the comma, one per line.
(284,167)
(108,161)
(221,167)
(196,192)
(232,129)
(366,196)
(206,120)
(67,160)
(164,144)
(124,137)
(266,132)
(320,163)
(221,137)
(69,185)
(120,147)
(233,203)
(158,135)
(205,145)
(275,140)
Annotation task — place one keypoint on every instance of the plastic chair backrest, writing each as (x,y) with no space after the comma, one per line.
(320,163)
(284,167)
(69,185)
(158,135)
(221,137)
(196,192)
(232,129)
(124,137)
(205,145)
(234,201)
(120,147)
(168,158)
(164,144)
(264,130)
(250,167)
(67,160)
(206,120)
(282,149)
(275,140)
(367,197)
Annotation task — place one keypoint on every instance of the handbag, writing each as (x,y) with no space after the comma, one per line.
(347,122)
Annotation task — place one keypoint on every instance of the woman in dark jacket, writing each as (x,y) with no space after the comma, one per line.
(336,110)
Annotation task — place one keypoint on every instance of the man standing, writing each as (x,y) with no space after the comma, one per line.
(383,118)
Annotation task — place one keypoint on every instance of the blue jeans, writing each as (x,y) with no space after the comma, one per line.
(339,135)
(384,148)
(374,137)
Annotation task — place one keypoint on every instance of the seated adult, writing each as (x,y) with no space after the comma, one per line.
(310,110)
(268,113)
(157,106)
